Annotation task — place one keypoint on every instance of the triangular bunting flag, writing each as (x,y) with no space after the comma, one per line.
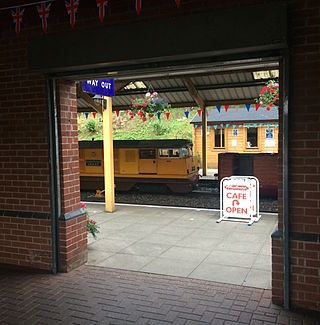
(221,125)
(195,126)
(248,126)
(269,107)
(248,107)
(72,8)
(186,113)
(219,108)
(199,112)
(226,107)
(94,114)
(158,114)
(43,11)
(257,106)
(117,112)
(268,126)
(102,8)
(227,125)
(215,126)
(17,15)
(261,124)
(255,125)
(138,6)
(233,126)
(276,125)
(178,3)
(86,114)
(167,115)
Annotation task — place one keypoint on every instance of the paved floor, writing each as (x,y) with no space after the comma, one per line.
(183,242)
(93,295)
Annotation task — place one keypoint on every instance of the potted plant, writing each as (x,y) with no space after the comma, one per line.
(269,95)
(92,226)
(151,104)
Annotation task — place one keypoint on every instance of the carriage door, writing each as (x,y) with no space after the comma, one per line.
(147,161)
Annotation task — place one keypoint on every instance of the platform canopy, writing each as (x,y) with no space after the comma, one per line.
(229,83)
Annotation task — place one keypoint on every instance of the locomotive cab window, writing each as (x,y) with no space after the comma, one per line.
(147,154)
(169,153)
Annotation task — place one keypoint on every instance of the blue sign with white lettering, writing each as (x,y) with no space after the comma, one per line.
(99,87)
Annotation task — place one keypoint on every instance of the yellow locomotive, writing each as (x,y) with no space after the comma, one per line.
(142,164)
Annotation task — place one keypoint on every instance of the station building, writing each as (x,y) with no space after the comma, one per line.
(238,131)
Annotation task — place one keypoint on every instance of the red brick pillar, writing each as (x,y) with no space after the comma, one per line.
(72,223)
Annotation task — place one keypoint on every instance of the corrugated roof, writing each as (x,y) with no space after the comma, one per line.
(239,114)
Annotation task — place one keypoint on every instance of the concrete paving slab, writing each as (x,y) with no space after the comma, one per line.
(146,249)
(109,245)
(126,262)
(231,258)
(170,266)
(258,278)
(262,262)
(183,242)
(220,273)
(95,257)
(198,242)
(233,246)
(186,253)
(161,238)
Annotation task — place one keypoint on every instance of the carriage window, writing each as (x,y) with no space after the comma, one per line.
(147,154)
(169,153)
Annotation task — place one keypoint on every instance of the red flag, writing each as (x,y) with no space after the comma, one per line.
(72,8)
(117,112)
(167,115)
(17,15)
(178,3)
(199,112)
(102,8)
(257,106)
(138,6)
(43,11)
(226,107)
(94,114)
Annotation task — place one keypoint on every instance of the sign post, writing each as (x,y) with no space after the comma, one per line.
(239,199)
(106,89)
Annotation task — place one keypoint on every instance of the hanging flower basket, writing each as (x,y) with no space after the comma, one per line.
(269,95)
(151,104)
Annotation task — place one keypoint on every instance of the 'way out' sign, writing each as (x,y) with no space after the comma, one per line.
(99,87)
(239,199)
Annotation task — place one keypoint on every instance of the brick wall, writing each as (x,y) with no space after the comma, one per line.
(25,242)
(23,138)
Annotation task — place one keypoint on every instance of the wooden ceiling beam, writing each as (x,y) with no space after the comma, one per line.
(194,93)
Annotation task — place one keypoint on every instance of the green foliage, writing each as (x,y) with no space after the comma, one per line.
(91,125)
(269,94)
(92,227)
(127,128)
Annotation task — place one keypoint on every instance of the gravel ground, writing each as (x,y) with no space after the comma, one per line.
(209,200)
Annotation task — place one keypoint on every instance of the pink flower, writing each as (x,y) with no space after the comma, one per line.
(83,205)
(89,220)
(276,85)
(94,222)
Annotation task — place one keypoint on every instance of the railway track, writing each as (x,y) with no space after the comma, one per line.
(206,195)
